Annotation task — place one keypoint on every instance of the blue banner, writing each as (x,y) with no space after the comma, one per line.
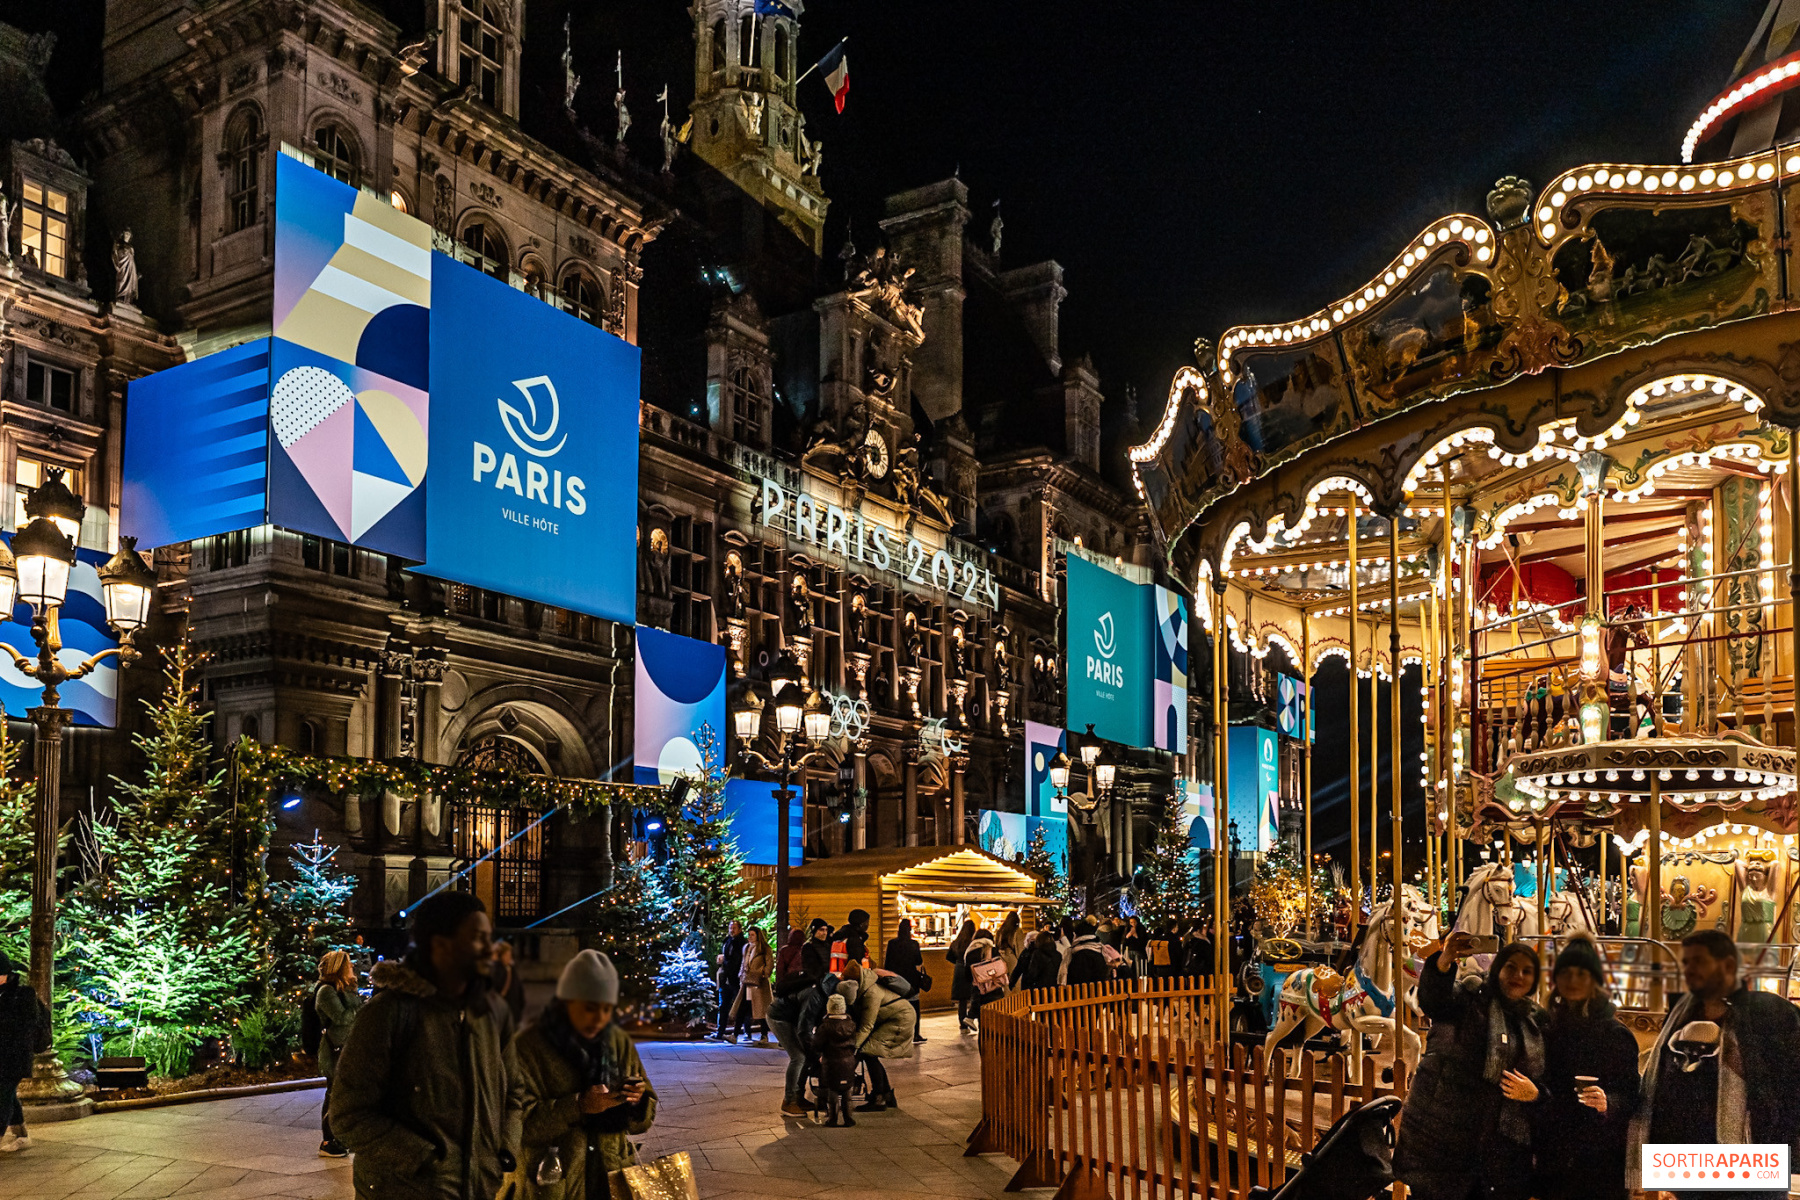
(534,433)
(1111,660)
(1255,803)
(680,687)
(752,810)
(94,698)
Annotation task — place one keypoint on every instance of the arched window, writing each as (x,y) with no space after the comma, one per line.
(243,168)
(397,198)
(747,56)
(489,252)
(481,61)
(310,740)
(781,55)
(533,271)
(336,155)
(581,297)
(748,407)
(718,45)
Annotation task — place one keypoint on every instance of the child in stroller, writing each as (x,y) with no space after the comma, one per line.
(835,1046)
(1353,1161)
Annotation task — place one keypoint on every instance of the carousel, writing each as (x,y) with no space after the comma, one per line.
(1544,456)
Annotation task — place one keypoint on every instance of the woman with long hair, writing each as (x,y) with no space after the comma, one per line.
(753,985)
(1590,1083)
(1466,1128)
(336,1001)
(961,986)
(1010,941)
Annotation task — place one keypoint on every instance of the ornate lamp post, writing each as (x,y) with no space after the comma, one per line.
(794,720)
(36,571)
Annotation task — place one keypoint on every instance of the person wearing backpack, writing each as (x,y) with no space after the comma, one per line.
(426,1080)
(24,1031)
(335,1003)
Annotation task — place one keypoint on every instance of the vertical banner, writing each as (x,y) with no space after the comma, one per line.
(680,687)
(1168,723)
(1043,807)
(752,813)
(1196,799)
(534,430)
(1295,701)
(1110,656)
(1254,805)
(1003,834)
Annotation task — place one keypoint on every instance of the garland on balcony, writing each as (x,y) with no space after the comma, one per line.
(264,770)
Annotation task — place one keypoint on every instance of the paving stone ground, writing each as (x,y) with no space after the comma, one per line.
(719,1103)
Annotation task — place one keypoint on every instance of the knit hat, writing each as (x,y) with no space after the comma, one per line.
(590,977)
(847,990)
(818,923)
(836,1007)
(858,917)
(1580,951)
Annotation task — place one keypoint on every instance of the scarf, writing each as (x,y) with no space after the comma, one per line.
(1515,1122)
(1732,1117)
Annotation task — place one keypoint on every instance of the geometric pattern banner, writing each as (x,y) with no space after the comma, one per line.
(1168,723)
(680,687)
(93,699)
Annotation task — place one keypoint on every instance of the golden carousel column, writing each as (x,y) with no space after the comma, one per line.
(1396,909)
(1306,798)
(1793,503)
(1355,747)
(1221,812)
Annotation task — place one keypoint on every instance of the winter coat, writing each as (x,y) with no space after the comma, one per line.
(884,1023)
(732,968)
(24,1028)
(424,1088)
(1039,967)
(753,982)
(1581,1154)
(904,959)
(549,1111)
(337,1011)
(835,1044)
(1450,1144)
(512,990)
(856,942)
(1011,948)
(1086,962)
(962,984)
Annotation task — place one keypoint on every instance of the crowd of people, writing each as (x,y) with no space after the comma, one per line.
(1514,1101)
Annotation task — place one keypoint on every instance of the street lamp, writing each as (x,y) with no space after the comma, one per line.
(794,721)
(36,570)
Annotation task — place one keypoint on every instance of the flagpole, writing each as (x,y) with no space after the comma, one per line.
(815,66)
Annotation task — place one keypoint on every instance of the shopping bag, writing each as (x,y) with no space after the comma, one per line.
(670,1178)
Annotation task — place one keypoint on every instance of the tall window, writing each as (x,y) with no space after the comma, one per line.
(533,271)
(747,406)
(781,55)
(50,386)
(480,55)
(335,154)
(243,157)
(29,473)
(747,56)
(488,251)
(44,228)
(581,297)
(718,45)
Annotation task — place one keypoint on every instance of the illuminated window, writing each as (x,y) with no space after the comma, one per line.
(52,387)
(44,228)
(243,157)
(335,154)
(29,473)
(480,55)
(487,251)
(397,198)
(581,297)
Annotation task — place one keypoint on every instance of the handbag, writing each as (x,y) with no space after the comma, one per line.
(924,981)
(988,975)
(669,1178)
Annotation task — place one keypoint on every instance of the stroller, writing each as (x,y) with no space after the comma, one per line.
(1354,1160)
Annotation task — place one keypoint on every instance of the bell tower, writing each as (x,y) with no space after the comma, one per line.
(746,124)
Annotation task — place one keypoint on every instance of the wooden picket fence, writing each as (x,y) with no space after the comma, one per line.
(1129,1089)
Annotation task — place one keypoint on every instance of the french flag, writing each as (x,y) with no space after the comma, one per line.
(835,67)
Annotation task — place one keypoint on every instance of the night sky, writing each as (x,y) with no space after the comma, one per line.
(1191,165)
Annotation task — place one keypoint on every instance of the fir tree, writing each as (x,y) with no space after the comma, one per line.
(18,851)
(685,991)
(1164,888)
(631,924)
(309,917)
(1053,882)
(160,948)
(705,872)
(1278,892)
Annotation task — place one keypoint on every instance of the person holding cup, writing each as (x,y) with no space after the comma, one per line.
(1590,1086)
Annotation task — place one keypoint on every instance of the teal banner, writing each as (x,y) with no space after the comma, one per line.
(1112,659)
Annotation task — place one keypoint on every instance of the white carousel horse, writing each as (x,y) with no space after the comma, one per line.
(1565,914)
(1364,1002)
(1492,909)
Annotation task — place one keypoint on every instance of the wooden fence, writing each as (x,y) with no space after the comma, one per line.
(1128,1089)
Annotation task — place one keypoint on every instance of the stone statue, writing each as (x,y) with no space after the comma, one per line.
(996,229)
(571,81)
(5,227)
(624,116)
(732,600)
(668,142)
(1756,897)
(858,630)
(813,155)
(124,257)
(753,113)
(799,607)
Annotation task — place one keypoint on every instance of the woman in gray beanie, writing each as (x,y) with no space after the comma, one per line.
(582,1090)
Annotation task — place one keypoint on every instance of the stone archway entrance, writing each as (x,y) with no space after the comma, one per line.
(511,882)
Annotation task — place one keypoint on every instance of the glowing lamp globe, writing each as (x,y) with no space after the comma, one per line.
(54,500)
(127,584)
(43,554)
(747,721)
(1059,772)
(9,582)
(818,724)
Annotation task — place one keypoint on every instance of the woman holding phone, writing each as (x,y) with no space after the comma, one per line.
(1466,1129)
(1590,1087)
(581,1091)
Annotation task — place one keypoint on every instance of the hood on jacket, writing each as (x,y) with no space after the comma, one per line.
(411,976)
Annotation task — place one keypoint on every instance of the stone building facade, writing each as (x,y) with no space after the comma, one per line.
(871,461)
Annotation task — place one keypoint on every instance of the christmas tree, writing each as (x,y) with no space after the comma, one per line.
(1053,883)
(309,917)
(705,872)
(1165,893)
(631,924)
(17,851)
(685,991)
(1278,892)
(161,951)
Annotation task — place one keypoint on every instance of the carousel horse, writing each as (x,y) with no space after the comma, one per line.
(1565,914)
(1363,1002)
(1491,909)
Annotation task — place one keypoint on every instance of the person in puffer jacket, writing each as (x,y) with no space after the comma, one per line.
(884,1030)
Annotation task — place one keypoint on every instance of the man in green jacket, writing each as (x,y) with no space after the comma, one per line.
(424,1082)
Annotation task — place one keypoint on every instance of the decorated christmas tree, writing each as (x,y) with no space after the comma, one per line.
(1053,882)
(163,956)
(17,851)
(705,872)
(684,989)
(308,916)
(631,923)
(1164,886)
(1278,892)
